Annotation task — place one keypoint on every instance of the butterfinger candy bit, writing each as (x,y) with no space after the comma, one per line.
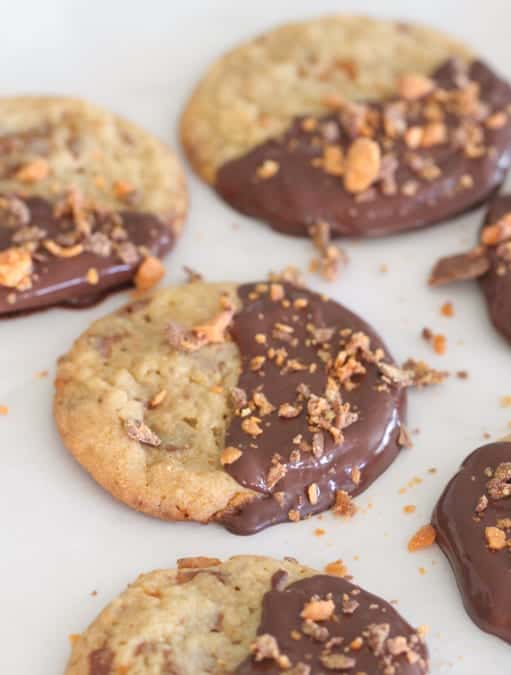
(460,267)
(423,538)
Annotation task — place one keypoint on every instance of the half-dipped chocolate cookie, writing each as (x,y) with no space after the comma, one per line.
(473,525)
(247,615)
(489,261)
(249,405)
(88,202)
(370,127)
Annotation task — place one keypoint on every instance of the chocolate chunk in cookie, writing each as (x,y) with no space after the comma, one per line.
(88,203)
(473,524)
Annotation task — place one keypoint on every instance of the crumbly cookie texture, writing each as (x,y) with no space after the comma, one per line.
(153,446)
(254,91)
(200,618)
(50,144)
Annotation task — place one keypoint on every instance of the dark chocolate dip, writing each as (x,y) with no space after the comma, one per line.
(296,468)
(496,283)
(473,501)
(462,158)
(364,633)
(58,280)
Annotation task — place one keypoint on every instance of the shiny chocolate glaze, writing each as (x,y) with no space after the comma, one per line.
(63,281)
(281,617)
(300,194)
(496,283)
(482,575)
(370,444)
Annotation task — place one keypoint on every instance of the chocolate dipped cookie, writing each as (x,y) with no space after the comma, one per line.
(473,524)
(489,262)
(88,202)
(247,615)
(248,405)
(370,127)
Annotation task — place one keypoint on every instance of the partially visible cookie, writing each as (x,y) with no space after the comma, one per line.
(247,615)
(473,524)
(370,127)
(254,92)
(489,262)
(87,201)
(250,405)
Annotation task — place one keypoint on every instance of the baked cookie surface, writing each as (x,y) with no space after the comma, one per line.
(250,404)
(85,198)
(473,523)
(238,617)
(371,127)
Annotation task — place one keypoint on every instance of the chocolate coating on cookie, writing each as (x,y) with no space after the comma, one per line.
(318,420)
(489,261)
(473,523)
(107,256)
(429,158)
(496,283)
(354,631)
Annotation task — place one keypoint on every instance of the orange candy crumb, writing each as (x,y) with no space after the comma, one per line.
(409,508)
(149,273)
(336,568)
(447,309)
(423,538)
(4,410)
(439,344)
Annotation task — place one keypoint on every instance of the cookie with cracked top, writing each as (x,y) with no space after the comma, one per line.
(248,614)
(249,405)
(89,202)
(371,127)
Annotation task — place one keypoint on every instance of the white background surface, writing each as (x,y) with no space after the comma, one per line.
(62,537)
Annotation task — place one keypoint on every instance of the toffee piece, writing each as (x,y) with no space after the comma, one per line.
(247,405)
(489,262)
(88,203)
(473,525)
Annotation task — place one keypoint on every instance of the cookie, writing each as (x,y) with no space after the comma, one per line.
(473,524)
(247,615)
(371,127)
(489,262)
(88,202)
(249,405)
